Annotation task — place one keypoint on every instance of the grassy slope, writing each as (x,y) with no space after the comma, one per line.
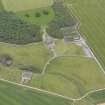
(16,95)
(74,76)
(18,5)
(91,15)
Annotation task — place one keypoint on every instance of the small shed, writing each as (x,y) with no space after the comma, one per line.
(26,76)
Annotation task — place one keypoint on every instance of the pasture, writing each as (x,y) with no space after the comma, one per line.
(73,72)
(20,5)
(17,95)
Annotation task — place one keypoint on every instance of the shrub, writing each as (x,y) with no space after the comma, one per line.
(45,12)
(27,15)
(37,14)
(31,68)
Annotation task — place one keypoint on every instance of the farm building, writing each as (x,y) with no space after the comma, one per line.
(26,76)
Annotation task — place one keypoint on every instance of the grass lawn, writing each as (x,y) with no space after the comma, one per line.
(16,95)
(19,5)
(91,14)
(74,76)
(39,16)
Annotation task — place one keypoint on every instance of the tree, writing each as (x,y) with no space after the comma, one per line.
(62,19)
(13,30)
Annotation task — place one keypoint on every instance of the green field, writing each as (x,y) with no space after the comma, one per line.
(91,15)
(95,98)
(74,76)
(31,11)
(1,5)
(41,19)
(68,49)
(32,54)
(36,55)
(19,5)
(70,73)
(16,95)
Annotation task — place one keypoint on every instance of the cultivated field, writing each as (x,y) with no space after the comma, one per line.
(16,95)
(94,98)
(97,97)
(19,5)
(68,49)
(91,15)
(32,54)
